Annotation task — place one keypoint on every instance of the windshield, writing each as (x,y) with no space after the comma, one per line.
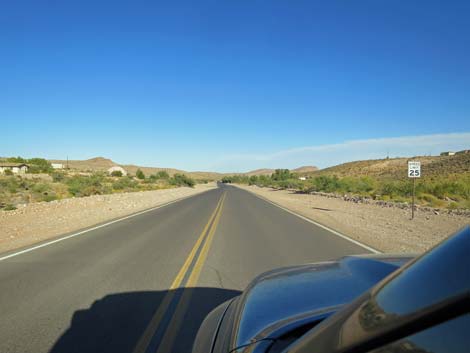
(157,156)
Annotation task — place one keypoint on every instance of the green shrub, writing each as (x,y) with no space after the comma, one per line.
(16,160)
(9,184)
(281,174)
(140,174)
(40,187)
(125,183)
(162,175)
(181,180)
(79,185)
(431,200)
(253,180)
(58,177)
(9,207)
(116,173)
(49,197)
(39,165)
(8,172)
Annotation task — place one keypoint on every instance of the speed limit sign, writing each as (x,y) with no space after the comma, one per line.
(414,169)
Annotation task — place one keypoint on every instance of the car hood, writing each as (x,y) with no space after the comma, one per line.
(288,298)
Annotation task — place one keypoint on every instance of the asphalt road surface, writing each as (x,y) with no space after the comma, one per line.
(144,284)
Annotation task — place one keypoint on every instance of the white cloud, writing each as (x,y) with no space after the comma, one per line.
(328,155)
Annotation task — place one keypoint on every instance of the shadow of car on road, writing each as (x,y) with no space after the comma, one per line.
(116,322)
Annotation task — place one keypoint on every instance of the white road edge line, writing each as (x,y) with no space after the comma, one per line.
(97,227)
(375,251)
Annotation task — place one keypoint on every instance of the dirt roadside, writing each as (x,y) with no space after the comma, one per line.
(387,229)
(44,220)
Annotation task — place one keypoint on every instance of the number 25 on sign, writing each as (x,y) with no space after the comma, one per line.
(414,171)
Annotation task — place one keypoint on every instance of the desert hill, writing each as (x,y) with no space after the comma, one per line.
(100,164)
(397,167)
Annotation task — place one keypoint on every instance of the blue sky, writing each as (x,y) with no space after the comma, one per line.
(233,85)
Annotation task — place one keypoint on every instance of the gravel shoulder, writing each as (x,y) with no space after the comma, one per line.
(386,229)
(40,221)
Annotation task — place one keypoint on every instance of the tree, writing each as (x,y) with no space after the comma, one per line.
(140,174)
(116,173)
(39,165)
(16,160)
(281,174)
(253,180)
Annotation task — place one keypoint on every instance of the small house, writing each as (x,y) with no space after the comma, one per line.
(15,168)
(448,153)
(57,165)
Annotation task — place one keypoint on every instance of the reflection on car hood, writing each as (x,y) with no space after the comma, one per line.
(294,296)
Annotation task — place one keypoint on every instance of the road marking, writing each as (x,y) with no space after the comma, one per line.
(371,249)
(177,319)
(96,227)
(206,235)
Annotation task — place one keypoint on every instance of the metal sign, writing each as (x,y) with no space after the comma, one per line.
(414,169)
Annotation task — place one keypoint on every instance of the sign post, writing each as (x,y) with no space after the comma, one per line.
(414,171)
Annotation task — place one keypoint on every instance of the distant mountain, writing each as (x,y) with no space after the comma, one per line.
(267,171)
(91,165)
(304,169)
(258,172)
(100,164)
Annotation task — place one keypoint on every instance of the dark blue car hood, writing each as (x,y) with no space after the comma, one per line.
(286,298)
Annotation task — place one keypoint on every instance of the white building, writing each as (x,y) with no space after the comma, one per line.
(57,165)
(302,178)
(16,168)
(117,168)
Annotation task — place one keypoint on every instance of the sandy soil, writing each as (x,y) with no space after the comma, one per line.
(43,220)
(383,228)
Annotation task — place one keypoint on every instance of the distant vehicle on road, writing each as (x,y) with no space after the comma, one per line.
(373,303)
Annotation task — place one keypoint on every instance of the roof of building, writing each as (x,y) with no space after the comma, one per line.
(10,164)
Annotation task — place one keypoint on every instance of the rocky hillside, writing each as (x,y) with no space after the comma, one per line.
(431,166)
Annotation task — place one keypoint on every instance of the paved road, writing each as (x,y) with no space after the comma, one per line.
(144,284)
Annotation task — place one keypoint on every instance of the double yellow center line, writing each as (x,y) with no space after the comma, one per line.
(187,277)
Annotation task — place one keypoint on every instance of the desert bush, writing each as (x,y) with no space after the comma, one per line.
(140,174)
(8,172)
(281,174)
(58,177)
(40,188)
(9,184)
(39,165)
(116,173)
(125,183)
(86,185)
(9,207)
(253,180)
(431,200)
(181,180)
(162,175)
(16,160)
